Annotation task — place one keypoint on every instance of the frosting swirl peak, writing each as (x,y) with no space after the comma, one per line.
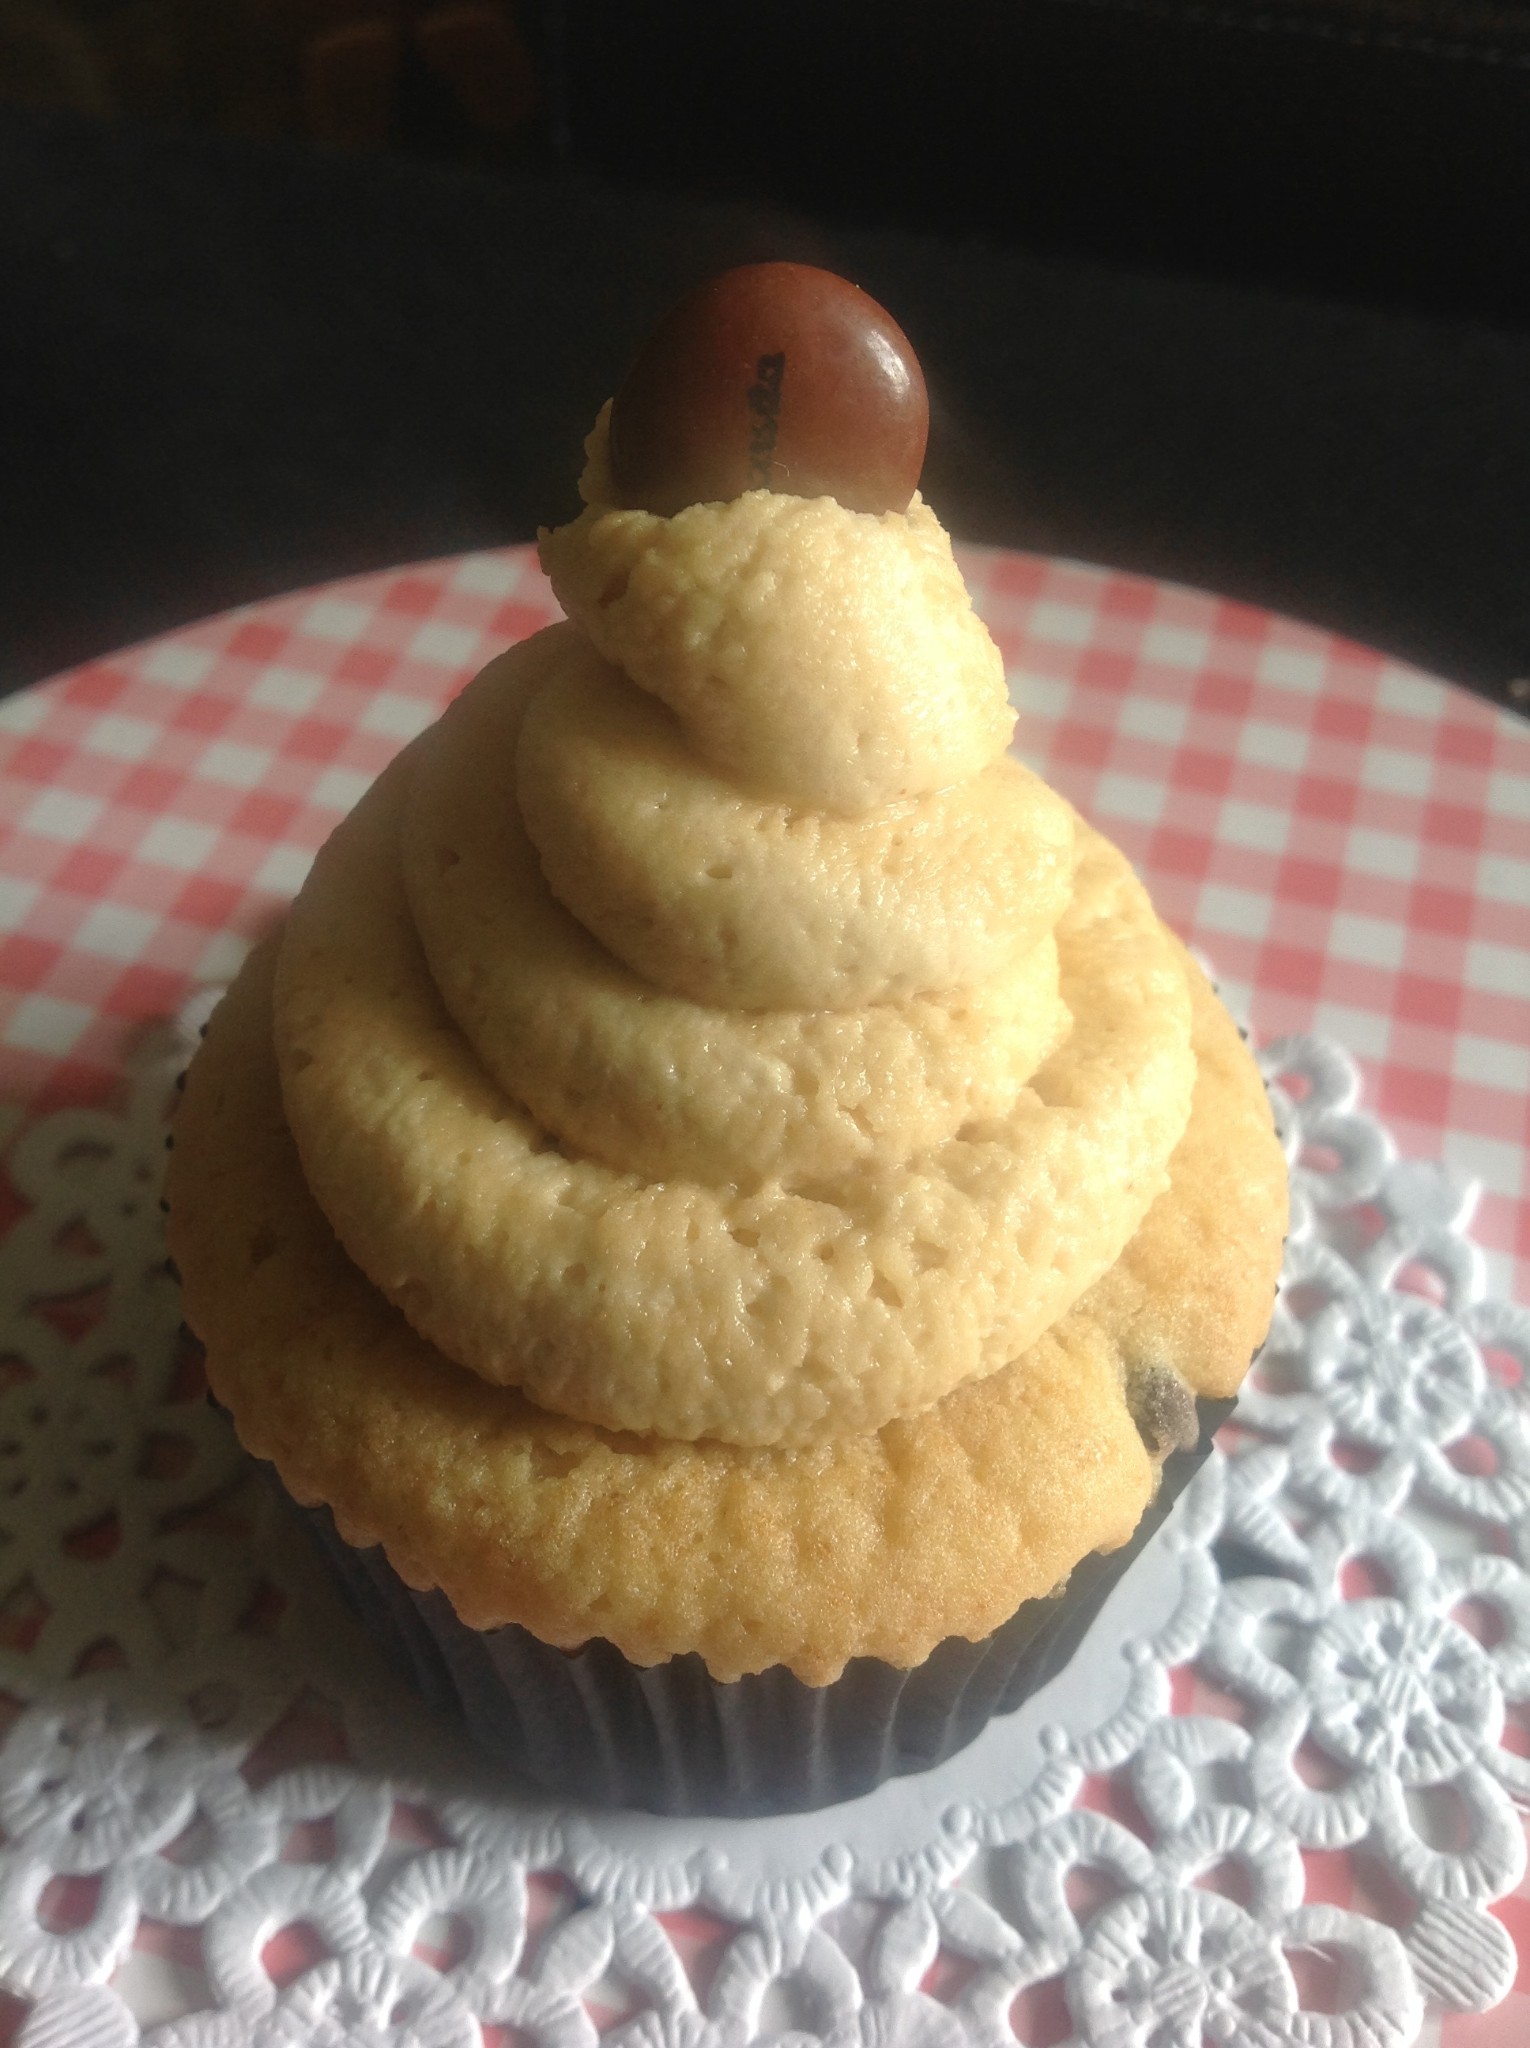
(811,654)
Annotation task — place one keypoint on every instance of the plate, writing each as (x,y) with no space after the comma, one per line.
(212,1800)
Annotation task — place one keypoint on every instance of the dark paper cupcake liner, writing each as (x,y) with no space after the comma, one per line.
(589,1726)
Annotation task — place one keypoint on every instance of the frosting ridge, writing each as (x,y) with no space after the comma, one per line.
(714,894)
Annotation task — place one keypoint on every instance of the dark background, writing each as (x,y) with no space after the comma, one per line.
(1238,298)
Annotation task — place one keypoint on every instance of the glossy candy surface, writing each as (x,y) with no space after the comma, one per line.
(776,376)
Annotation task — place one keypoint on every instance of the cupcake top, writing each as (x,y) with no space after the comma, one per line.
(858,1063)
(790,1185)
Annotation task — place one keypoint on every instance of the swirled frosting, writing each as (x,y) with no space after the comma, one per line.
(708,1028)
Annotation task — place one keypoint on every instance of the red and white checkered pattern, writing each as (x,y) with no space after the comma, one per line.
(1348,841)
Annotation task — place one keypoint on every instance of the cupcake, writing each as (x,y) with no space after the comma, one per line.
(722,1200)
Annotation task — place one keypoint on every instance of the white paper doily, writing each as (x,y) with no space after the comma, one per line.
(226,1826)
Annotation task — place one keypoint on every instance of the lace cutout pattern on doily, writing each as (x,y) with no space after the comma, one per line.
(209,1841)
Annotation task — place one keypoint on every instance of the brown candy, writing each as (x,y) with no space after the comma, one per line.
(778,377)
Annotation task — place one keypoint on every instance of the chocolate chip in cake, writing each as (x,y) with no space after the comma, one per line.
(1163,1408)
